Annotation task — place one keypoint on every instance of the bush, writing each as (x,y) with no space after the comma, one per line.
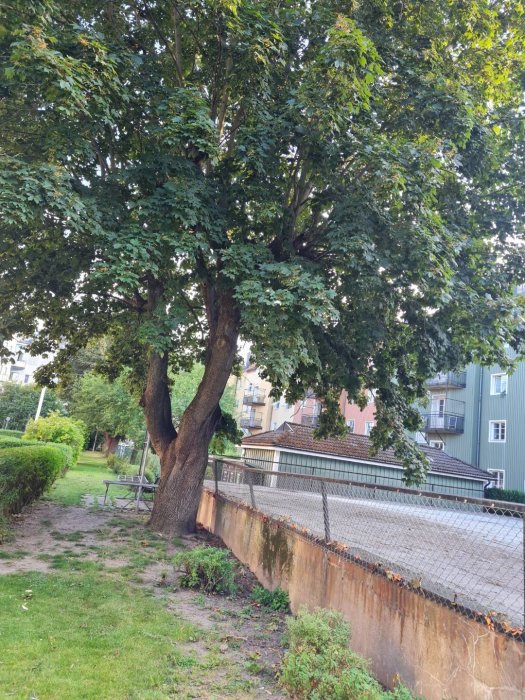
(56,428)
(11,433)
(275,600)
(7,442)
(207,568)
(505,495)
(320,665)
(26,473)
(120,465)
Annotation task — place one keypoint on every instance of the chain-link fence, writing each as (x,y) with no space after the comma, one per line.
(465,551)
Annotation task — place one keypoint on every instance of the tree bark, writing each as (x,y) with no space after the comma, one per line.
(184,453)
(110,444)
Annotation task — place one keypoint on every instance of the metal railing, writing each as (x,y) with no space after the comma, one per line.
(254,398)
(448,380)
(312,421)
(466,552)
(449,423)
(253,420)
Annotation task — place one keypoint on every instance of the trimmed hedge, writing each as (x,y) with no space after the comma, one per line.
(505,495)
(11,433)
(8,442)
(26,474)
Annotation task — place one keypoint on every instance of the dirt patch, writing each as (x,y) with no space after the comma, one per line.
(240,646)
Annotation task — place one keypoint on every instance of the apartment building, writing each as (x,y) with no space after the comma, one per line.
(258,412)
(478,416)
(22,366)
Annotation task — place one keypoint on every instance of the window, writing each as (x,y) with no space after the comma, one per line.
(369,424)
(498,384)
(276,404)
(274,425)
(497,431)
(438,444)
(499,478)
(350,424)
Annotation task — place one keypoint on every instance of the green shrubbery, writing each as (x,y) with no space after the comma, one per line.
(11,433)
(275,600)
(319,664)
(505,495)
(7,443)
(26,473)
(56,428)
(207,568)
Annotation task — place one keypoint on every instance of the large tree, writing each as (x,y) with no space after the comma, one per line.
(337,182)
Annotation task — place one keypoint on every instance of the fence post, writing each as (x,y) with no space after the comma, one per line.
(325,513)
(250,486)
(216,476)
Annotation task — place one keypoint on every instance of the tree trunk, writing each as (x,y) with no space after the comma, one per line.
(109,446)
(184,453)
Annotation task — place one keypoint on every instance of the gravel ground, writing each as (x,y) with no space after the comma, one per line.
(473,558)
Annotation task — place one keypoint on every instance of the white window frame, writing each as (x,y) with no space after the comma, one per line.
(492,425)
(498,473)
(504,383)
(350,424)
(369,424)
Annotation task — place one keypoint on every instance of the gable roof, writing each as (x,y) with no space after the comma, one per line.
(300,438)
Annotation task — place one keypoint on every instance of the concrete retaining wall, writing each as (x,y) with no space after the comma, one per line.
(436,651)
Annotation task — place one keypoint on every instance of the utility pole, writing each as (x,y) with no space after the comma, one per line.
(40,402)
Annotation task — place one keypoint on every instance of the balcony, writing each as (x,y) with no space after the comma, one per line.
(254,398)
(448,380)
(311,421)
(254,420)
(446,416)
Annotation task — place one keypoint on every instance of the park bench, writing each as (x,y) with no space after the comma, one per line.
(136,488)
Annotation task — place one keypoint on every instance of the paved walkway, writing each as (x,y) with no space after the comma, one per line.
(472,557)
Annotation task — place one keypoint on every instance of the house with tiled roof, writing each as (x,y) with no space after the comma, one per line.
(293,448)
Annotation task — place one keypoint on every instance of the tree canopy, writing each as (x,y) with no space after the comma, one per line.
(107,407)
(338,183)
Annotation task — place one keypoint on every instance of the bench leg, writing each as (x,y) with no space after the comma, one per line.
(106,494)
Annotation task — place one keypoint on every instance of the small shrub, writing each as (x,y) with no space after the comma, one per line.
(275,600)
(11,433)
(26,473)
(207,568)
(56,428)
(120,465)
(7,443)
(319,664)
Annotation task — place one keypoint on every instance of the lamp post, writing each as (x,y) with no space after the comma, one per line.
(40,403)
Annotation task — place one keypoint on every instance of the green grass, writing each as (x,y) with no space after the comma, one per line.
(84,478)
(88,636)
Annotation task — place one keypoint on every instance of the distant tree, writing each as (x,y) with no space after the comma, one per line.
(339,183)
(107,407)
(184,388)
(19,402)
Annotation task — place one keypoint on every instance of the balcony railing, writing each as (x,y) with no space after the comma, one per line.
(254,398)
(444,423)
(254,420)
(448,380)
(312,421)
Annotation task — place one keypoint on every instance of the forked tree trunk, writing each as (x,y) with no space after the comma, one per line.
(184,454)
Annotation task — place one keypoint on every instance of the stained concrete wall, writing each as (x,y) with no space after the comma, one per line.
(436,651)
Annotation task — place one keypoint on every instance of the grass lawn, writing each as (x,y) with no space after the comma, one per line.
(88,636)
(85,477)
